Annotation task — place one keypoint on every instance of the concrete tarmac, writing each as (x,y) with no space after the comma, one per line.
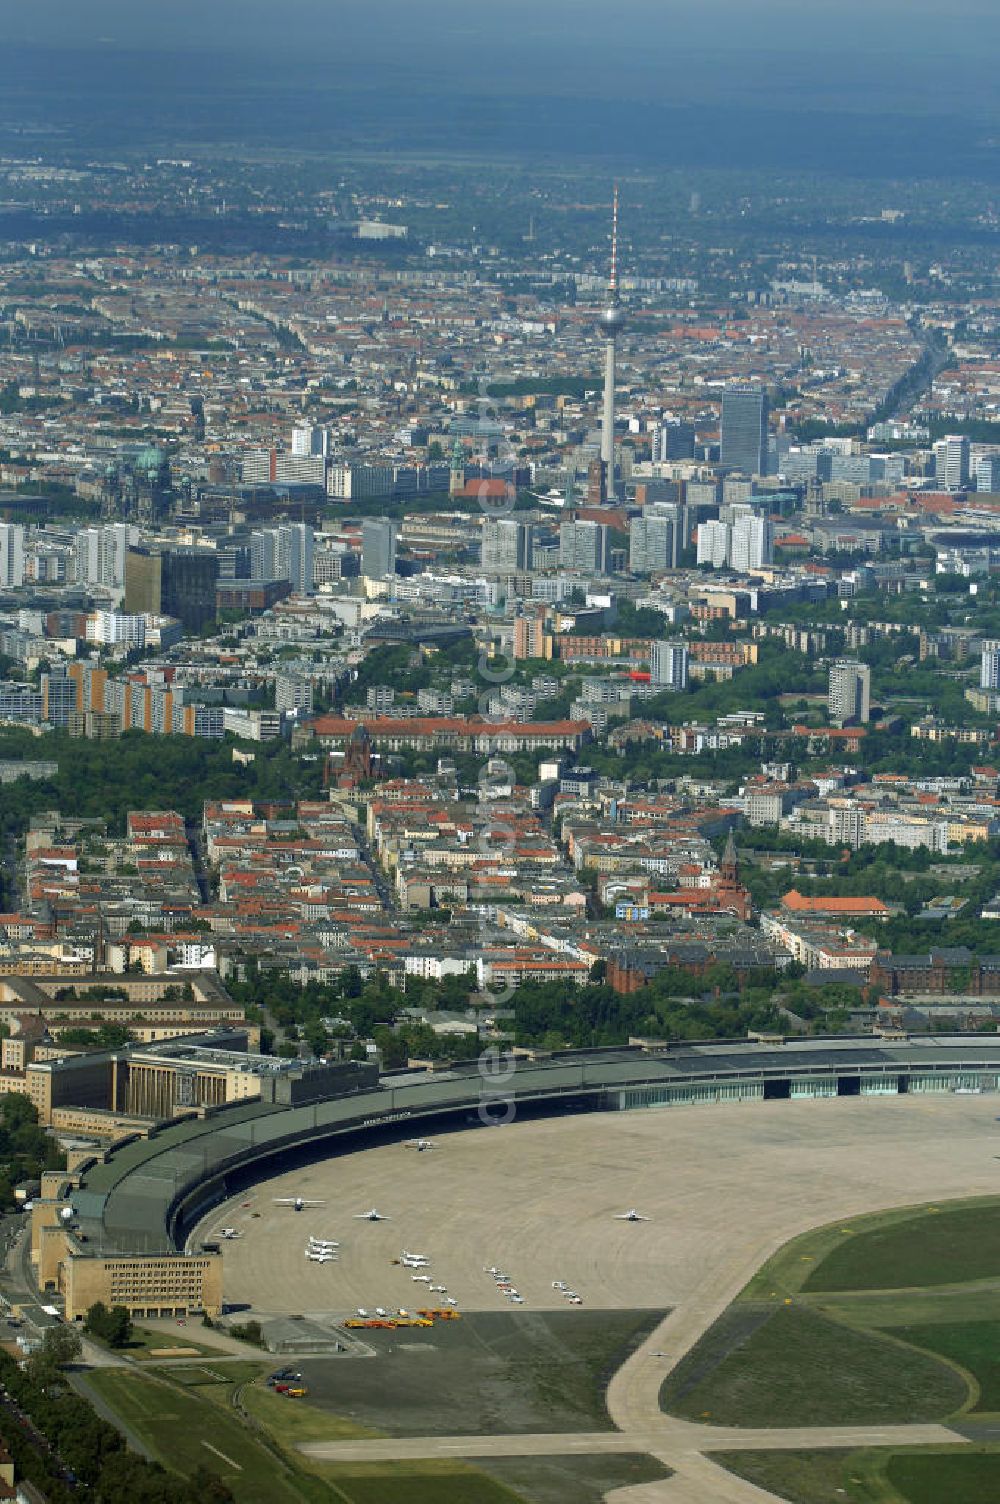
(723,1187)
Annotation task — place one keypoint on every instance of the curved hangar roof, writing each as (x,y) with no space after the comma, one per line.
(144,1191)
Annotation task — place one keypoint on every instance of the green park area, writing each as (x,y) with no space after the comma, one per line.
(950,1476)
(185,1424)
(881,1320)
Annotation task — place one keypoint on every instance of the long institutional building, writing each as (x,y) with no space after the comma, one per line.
(82,1091)
(115,1225)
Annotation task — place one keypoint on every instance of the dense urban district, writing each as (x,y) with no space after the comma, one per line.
(450,611)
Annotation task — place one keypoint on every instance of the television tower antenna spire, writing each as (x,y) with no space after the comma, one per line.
(613,283)
(612,320)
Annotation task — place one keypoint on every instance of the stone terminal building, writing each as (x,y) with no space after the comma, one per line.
(117,1225)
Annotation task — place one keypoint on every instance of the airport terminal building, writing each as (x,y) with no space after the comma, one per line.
(116,1226)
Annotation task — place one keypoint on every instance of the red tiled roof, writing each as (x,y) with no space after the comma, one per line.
(847,907)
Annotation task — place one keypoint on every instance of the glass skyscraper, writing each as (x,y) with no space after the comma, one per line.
(744,430)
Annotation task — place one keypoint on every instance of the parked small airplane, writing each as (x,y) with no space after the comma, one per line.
(228,1232)
(420,1144)
(630,1216)
(421,1279)
(319,1256)
(297,1203)
(370,1216)
(408,1253)
(323,1243)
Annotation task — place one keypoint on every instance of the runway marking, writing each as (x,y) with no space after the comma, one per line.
(236,1465)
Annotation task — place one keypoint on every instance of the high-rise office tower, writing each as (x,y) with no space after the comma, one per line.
(669,665)
(295,558)
(284,552)
(506,545)
(100,553)
(951,456)
(583,547)
(652,541)
(378,548)
(989,671)
(713,544)
(308,439)
(11,555)
(612,322)
(172,581)
(849,696)
(530,637)
(673,441)
(988,473)
(744,430)
(59,695)
(751,543)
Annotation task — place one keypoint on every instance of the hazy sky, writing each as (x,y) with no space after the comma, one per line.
(555,68)
(908,27)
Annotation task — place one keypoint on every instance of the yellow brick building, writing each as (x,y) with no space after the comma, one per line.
(148,1285)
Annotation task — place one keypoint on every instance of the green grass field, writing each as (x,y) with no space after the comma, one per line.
(186,1430)
(951,1476)
(200,1374)
(143,1342)
(969,1476)
(290,1422)
(414,1483)
(942,1304)
(973,1345)
(870,1247)
(555,1367)
(921,1476)
(790,1366)
(834,1477)
(506,1480)
(894,1317)
(491,1372)
(945,1247)
(582,1479)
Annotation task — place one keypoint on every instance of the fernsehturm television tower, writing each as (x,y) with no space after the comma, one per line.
(612,320)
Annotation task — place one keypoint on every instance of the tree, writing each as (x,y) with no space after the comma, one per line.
(391,1047)
(111,1326)
(61,1346)
(249,1331)
(316,1038)
(96,1319)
